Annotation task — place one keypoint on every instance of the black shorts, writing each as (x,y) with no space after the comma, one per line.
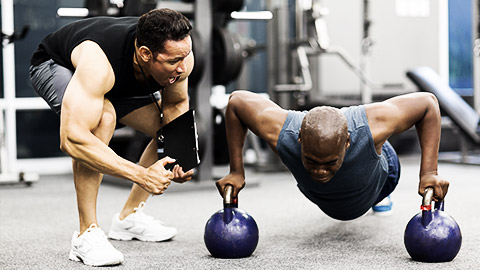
(50,81)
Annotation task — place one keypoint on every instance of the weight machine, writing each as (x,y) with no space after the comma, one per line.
(9,175)
(311,40)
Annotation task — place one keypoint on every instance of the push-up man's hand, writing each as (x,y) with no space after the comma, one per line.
(438,183)
(237,180)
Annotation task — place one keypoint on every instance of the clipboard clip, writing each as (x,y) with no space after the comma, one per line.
(160,142)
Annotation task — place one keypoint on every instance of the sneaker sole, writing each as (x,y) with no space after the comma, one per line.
(383,213)
(125,236)
(78,258)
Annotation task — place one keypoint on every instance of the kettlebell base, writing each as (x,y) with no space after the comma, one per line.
(432,261)
(231,257)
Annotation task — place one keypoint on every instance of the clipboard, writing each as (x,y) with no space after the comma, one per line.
(180,141)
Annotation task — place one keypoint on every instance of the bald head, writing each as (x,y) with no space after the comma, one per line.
(325,124)
(324,140)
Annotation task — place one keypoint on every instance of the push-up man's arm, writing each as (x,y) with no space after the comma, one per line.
(397,115)
(248,111)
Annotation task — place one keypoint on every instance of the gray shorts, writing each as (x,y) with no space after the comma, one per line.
(50,81)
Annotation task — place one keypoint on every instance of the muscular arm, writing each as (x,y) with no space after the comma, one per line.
(400,113)
(245,111)
(82,111)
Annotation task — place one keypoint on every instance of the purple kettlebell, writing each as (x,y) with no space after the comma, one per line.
(432,235)
(231,232)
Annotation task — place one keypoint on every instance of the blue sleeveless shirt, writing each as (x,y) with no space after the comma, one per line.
(356,185)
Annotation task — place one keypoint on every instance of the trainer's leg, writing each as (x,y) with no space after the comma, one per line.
(124,225)
(87,180)
(138,194)
(145,120)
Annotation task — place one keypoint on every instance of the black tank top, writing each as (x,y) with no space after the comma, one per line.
(115,36)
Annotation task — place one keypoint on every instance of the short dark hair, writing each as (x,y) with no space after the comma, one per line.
(157,26)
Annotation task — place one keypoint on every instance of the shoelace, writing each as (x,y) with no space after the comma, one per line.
(141,215)
(94,229)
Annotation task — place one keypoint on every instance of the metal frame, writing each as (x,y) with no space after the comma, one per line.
(9,169)
(476,55)
(203,24)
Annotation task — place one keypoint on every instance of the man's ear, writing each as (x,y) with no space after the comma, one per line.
(145,53)
(300,136)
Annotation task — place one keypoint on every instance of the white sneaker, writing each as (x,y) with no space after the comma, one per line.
(93,248)
(140,226)
(384,207)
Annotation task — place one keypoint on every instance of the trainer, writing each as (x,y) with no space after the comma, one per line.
(340,158)
(101,73)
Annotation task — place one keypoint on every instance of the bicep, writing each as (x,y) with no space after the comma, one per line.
(83,101)
(81,109)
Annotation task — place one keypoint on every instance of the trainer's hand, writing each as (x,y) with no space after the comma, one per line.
(179,176)
(438,183)
(236,180)
(157,178)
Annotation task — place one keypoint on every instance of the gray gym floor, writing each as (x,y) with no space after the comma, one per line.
(36,224)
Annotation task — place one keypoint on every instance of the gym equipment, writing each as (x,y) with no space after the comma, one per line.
(432,235)
(231,232)
(291,72)
(220,148)
(96,7)
(227,56)
(227,6)
(15,35)
(462,114)
(137,8)
(199,60)
(9,36)
(223,6)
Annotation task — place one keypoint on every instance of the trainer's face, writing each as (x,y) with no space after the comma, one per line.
(322,159)
(167,67)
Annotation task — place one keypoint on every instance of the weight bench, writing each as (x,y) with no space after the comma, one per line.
(460,112)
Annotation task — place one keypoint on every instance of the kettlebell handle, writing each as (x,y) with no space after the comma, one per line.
(427,199)
(227,195)
(228,200)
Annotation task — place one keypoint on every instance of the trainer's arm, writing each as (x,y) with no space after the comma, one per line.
(247,110)
(82,112)
(400,113)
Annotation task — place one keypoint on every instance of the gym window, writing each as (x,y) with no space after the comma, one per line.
(460,38)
